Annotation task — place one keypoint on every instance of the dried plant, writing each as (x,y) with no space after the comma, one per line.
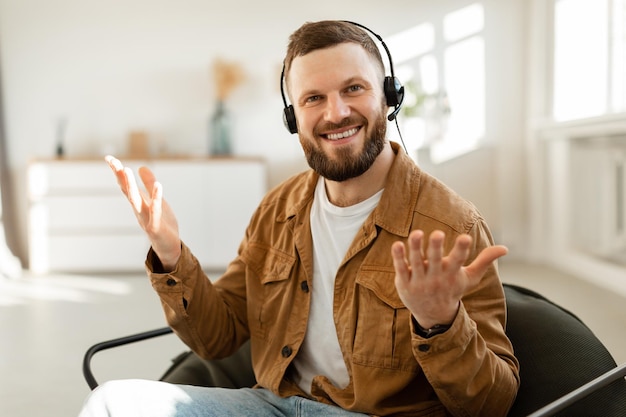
(227,76)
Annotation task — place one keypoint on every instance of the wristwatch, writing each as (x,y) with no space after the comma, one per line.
(433,331)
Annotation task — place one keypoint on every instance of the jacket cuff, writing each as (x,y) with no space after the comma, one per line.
(170,281)
(460,332)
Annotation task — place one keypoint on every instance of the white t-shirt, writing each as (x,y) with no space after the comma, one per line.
(333,229)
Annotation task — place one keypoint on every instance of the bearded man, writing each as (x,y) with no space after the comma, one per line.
(365,286)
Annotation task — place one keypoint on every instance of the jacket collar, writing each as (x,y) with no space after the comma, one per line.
(394,212)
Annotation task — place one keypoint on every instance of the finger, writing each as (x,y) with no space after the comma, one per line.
(118,169)
(156,208)
(148,178)
(435,252)
(133,194)
(114,163)
(484,260)
(460,252)
(400,264)
(416,251)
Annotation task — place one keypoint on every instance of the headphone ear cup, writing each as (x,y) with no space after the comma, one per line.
(289,118)
(394,91)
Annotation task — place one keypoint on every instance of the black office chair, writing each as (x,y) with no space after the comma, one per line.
(563,366)
(558,354)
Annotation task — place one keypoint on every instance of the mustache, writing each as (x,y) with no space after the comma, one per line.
(348,121)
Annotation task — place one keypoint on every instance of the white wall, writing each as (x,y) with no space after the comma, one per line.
(118,65)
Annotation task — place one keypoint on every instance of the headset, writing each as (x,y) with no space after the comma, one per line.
(393,89)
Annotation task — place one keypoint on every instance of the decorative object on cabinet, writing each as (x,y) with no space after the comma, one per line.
(60,137)
(227,76)
(221,131)
(138,144)
(79,221)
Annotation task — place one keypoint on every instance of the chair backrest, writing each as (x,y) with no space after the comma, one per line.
(557,353)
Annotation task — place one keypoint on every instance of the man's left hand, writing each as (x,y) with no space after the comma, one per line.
(431,286)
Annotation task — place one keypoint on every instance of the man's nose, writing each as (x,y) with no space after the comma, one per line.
(336,109)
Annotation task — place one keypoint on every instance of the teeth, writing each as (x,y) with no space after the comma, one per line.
(336,136)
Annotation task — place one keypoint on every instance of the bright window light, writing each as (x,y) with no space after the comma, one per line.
(580,59)
(446,70)
(429,74)
(618,40)
(412,42)
(465,86)
(463,22)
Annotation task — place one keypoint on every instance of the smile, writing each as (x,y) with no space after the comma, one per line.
(341,135)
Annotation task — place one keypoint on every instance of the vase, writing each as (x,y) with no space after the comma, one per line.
(220,131)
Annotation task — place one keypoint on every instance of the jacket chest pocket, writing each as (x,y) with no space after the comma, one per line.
(383,333)
(268,288)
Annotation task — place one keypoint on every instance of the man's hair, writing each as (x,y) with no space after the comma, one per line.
(313,36)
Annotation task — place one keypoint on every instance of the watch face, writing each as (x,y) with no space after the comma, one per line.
(435,330)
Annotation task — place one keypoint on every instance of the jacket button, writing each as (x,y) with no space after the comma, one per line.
(423,348)
(304,286)
(171,282)
(286,351)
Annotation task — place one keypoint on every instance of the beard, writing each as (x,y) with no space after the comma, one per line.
(346,165)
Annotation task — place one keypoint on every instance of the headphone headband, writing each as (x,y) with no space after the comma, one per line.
(380,39)
(393,89)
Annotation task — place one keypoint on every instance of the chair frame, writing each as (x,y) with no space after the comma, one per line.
(109,344)
(582,392)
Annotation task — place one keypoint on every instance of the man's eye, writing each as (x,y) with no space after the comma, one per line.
(312,99)
(354,88)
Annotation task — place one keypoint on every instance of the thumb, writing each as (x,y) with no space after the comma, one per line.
(484,260)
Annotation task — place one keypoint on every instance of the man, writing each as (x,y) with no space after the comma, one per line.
(341,281)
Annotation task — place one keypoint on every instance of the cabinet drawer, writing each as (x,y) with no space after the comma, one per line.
(84,213)
(95,253)
(73,176)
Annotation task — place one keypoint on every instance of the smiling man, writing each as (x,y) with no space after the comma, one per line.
(365,286)
(341,111)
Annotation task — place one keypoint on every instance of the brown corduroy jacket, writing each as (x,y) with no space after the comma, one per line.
(470,370)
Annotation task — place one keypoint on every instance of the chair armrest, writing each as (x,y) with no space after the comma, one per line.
(88,374)
(590,387)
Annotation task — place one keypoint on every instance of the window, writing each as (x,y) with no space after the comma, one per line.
(465,86)
(589,58)
(441,64)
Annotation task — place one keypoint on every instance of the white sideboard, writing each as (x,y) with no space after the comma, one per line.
(79,221)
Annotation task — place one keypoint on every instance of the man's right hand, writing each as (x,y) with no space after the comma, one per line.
(153,213)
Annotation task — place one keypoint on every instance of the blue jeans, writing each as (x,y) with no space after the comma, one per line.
(137,398)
